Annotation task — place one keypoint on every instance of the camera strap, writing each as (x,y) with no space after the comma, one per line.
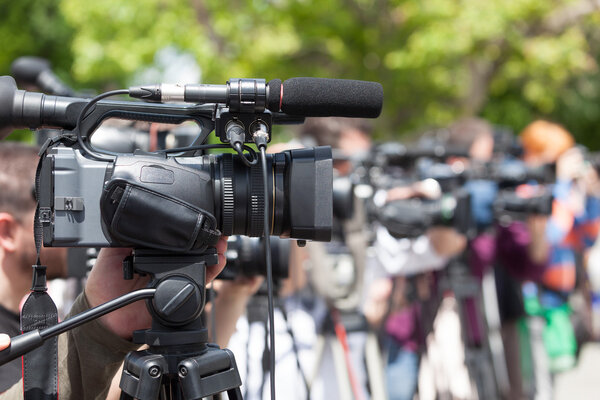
(40,366)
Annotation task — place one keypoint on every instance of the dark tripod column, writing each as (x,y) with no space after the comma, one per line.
(179,363)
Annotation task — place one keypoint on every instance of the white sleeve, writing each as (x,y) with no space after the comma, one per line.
(406,256)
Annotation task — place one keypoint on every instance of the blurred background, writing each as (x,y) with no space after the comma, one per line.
(507,61)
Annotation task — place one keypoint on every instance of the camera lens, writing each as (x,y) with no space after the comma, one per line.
(241,196)
(299,189)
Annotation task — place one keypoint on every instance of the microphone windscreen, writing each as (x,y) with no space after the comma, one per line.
(274,95)
(27,69)
(321,97)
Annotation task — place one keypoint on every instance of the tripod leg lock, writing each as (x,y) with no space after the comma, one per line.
(210,373)
(142,375)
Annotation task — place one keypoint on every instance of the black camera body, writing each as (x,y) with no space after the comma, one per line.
(179,203)
(413,217)
(246,257)
(509,204)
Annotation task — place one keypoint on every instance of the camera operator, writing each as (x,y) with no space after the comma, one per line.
(335,271)
(519,249)
(395,302)
(17,247)
(572,229)
(90,355)
(352,139)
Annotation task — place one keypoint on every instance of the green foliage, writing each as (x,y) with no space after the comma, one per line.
(509,61)
(34,27)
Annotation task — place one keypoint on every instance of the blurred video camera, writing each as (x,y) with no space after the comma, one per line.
(492,186)
(246,255)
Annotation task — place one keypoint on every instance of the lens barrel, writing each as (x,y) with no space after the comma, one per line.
(300,192)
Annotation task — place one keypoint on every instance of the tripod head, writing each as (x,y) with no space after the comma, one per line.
(179,360)
(179,280)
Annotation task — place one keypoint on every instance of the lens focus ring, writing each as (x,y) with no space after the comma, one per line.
(228,197)
(257,202)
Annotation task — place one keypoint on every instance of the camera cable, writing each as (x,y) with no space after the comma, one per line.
(80,135)
(261,138)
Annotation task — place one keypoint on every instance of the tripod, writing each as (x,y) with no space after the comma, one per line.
(179,363)
(351,322)
(480,322)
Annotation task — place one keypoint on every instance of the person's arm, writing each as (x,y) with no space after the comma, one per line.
(229,304)
(538,248)
(515,251)
(447,242)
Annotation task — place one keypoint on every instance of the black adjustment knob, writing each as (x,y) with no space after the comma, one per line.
(177,301)
(128,268)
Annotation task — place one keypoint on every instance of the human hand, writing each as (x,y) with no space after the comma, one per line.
(377,303)
(446,241)
(427,189)
(230,303)
(570,164)
(4,341)
(400,193)
(240,288)
(106,283)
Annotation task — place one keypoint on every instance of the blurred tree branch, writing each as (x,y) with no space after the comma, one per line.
(566,16)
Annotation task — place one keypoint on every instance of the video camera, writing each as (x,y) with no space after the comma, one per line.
(92,198)
(412,217)
(246,255)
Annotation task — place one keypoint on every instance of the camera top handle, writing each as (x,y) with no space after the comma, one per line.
(21,109)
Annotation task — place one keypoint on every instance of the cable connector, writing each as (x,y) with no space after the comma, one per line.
(235,134)
(260,135)
(147,92)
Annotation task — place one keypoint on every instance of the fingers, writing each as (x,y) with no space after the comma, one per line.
(4,341)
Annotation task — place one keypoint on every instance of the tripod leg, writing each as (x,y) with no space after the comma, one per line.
(319,349)
(125,396)
(234,394)
(490,304)
(375,368)
(341,371)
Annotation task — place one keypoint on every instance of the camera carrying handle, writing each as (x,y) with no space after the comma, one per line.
(20,109)
(26,342)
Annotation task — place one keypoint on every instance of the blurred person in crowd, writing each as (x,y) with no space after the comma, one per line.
(572,229)
(518,249)
(377,280)
(592,258)
(402,280)
(336,270)
(17,247)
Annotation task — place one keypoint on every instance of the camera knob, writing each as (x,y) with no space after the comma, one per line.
(177,301)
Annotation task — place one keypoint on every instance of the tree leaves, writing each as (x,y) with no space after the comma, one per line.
(509,61)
